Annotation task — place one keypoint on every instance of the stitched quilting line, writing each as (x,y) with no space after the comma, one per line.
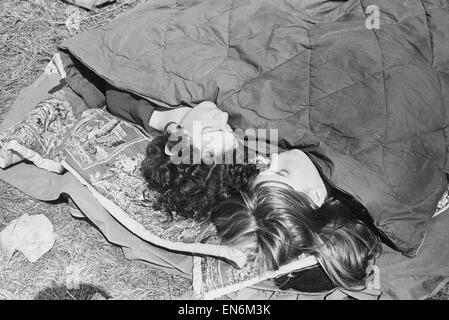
(309,80)
(229,11)
(395,23)
(260,76)
(445,167)
(229,26)
(279,65)
(416,15)
(164,45)
(368,77)
(432,47)
(430,34)
(309,84)
(164,39)
(390,184)
(382,61)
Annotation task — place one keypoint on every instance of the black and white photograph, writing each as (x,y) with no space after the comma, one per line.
(234,152)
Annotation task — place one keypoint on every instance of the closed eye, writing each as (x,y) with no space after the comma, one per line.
(283,173)
(208,129)
(212,129)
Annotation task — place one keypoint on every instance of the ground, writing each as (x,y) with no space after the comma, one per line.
(29,34)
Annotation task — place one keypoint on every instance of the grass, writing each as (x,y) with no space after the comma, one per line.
(80,247)
(31,30)
(29,34)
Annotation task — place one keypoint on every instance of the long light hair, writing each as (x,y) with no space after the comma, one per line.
(274,224)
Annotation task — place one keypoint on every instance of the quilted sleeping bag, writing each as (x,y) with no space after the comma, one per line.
(375,101)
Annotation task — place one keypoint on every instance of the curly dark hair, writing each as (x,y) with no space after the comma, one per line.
(192,190)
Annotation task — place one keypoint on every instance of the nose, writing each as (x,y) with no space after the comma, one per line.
(274,161)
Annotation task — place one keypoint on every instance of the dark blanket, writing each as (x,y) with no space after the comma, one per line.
(401,277)
(375,101)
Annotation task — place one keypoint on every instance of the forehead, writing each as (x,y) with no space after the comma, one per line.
(217,136)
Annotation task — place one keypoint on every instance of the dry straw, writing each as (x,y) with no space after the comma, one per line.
(30,31)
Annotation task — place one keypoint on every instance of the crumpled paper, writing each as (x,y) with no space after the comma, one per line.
(31,235)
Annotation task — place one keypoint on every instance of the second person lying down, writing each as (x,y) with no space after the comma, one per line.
(274,210)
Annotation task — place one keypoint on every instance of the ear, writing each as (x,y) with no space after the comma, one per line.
(317,195)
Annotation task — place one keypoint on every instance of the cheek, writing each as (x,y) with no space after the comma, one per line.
(304,180)
(218,141)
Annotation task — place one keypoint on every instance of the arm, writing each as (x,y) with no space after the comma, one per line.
(140,111)
(160,119)
(83,81)
(119,103)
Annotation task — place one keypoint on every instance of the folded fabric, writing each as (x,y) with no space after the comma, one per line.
(399,275)
(7,157)
(213,278)
(373,101)
(38,136)
(104,153)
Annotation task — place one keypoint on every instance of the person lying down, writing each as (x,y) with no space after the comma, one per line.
(274,207)
(274,211)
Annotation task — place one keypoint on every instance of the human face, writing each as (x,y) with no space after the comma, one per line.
(295,169)
(209,129)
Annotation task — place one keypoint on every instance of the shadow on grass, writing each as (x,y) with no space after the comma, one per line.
(83,292)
